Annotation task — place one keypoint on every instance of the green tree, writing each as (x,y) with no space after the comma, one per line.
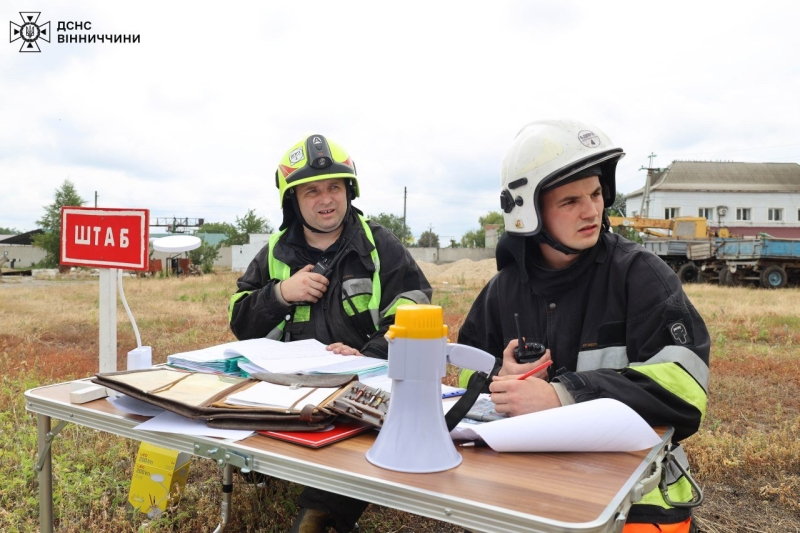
(454,244)
(50,240)
(205,255)
(394,224)
(618,208)
(9,231)
(216,227)
(428,239)
(238,233)
(474,239)
(477,238)
(492,217)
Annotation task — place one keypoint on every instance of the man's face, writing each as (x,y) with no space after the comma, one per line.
(323,203)
(572,213)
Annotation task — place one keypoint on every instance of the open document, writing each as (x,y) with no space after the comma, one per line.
(603,425)
(267,355)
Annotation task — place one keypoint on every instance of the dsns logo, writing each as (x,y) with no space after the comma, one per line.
(30,32)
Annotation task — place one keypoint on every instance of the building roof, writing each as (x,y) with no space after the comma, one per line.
(715,176)
(22,238)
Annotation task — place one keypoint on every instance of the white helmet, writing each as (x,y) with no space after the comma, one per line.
(546,154)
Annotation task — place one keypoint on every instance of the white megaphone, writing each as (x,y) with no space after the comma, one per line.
(414,436)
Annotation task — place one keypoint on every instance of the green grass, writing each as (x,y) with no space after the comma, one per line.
(746,456)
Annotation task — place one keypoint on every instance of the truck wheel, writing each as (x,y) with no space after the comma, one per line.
(725,277)
(687,273)
(773,277)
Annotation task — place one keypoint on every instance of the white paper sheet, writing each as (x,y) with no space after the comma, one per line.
(603,425)
(212,353)
(169,422)
(126,404)
(265,394)
(268,350)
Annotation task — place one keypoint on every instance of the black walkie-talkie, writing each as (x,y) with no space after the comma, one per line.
(526,352)
(325,265)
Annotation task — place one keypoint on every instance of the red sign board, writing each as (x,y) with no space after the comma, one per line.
(105,238)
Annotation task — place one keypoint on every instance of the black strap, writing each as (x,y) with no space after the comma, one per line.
(478,382)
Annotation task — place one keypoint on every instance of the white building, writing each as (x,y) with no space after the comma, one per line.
(746,198)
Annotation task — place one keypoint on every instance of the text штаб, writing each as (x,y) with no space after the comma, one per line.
(90,236)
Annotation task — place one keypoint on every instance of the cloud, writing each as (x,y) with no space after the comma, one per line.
(192,120)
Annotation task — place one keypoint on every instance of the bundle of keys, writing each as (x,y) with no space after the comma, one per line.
(362,402)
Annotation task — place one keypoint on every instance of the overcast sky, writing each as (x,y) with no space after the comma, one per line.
(192,121)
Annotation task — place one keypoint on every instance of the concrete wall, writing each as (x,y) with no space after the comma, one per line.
(450,255)
(25,256)
(224,258)
(242,255)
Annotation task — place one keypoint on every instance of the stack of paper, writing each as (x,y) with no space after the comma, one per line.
(215,360)
(306,357)
(243,358)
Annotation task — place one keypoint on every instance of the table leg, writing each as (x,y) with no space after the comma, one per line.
(45,475)
(227,491)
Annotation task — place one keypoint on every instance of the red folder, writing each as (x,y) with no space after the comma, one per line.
(341,430)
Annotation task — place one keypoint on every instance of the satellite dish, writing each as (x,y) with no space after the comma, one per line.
(176,243)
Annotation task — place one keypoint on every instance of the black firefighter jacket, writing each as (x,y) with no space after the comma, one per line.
(617,323)
(257,311)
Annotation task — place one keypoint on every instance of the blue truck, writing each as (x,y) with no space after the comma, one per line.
(768,261)
(764,261)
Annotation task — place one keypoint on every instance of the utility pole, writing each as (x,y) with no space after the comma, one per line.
(95,198)
(645,208)
(404,215)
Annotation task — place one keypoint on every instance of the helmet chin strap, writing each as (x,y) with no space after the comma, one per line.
(296,208)
(544,237)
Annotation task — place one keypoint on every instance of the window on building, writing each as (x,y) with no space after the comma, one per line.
(706,212)
(743,213)
(775,214)
(672,212)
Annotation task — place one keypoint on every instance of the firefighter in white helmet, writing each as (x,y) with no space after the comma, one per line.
(613,317)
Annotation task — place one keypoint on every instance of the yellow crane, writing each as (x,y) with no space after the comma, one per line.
(674,228)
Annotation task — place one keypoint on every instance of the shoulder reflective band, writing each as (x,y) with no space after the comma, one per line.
(235,298)
(374,302)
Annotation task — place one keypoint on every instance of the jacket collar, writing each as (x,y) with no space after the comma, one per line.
(293,249)
(524,254)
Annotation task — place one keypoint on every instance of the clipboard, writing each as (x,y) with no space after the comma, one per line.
(201,396)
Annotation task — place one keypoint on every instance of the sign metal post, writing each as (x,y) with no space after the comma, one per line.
(108,239)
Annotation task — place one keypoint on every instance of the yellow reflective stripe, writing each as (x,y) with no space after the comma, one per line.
(302,313)
(375,300)
(400,301)
(360,301)
(680,491)
(685,357)
(463,377)
(277,269)
(676,380)
(235,298)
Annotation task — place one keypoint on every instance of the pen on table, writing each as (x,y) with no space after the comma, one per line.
(539,368)
(474,444)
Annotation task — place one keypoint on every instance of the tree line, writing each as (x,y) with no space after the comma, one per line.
(238,232)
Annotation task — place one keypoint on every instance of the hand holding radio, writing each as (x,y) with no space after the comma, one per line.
(305,285)
(526,352)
